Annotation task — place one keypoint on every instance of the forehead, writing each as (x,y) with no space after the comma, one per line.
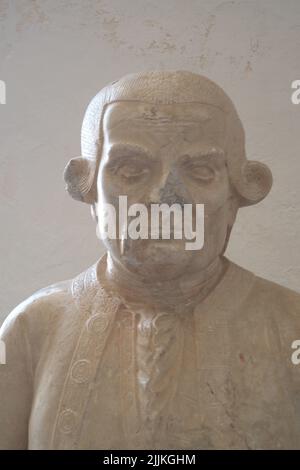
(159,124)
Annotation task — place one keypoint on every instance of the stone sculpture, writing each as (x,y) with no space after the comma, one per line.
(156,346)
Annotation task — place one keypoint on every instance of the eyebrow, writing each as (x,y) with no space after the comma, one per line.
(116,150)
(205,152)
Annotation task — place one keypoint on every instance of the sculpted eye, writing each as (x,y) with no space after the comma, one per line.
(130,170)
(201,172)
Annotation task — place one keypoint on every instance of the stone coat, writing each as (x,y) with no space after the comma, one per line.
(85,371)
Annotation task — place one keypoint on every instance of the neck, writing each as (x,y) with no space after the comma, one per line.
(175,295)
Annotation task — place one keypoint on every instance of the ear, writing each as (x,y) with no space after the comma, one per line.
(253,183)
(79,176)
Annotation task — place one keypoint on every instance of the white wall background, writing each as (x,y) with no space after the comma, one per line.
(55,55)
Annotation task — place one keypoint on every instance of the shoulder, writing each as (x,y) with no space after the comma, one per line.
(38,308)
(282,295)
(48,308)
(277,302)
(261,297)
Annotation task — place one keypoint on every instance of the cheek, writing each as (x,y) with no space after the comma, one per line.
(213,196)
(215,228)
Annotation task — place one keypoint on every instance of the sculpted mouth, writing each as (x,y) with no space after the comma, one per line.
(158,235)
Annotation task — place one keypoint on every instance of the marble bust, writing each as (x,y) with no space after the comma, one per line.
(156,346)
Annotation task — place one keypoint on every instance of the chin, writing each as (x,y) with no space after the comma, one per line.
(162,259)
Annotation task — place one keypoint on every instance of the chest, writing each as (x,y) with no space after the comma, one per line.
(194,383)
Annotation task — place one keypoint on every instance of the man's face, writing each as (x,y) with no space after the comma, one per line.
(169,154)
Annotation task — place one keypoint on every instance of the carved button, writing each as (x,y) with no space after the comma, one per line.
(164,321)
(67,421)
(145,327)
(80,371)
(97,323)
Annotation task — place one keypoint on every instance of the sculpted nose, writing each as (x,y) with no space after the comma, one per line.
(171,190)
